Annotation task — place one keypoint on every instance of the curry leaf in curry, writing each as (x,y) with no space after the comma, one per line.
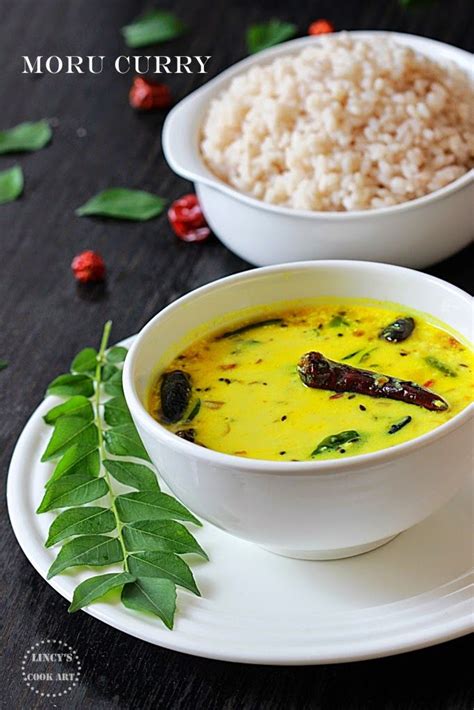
(441,366)
(396,426)
(336,441)
(92,443)
(337,321)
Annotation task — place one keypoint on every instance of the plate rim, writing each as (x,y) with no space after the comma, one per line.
(444,629)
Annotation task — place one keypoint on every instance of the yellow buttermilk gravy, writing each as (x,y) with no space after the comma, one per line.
(248,400)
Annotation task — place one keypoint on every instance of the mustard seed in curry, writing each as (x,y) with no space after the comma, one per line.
(248,388)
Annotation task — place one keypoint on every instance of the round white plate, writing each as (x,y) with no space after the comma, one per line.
(257,607)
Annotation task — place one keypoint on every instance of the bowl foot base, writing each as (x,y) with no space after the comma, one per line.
(334,554)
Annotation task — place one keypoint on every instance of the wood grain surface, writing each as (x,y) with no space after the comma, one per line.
(98,142)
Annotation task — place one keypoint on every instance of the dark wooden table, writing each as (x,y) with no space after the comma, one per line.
(99,141)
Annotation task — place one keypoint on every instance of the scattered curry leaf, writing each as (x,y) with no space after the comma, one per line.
(25,137)
(153,27)
(11,184)
(267,34)
(121,203)
(3,364)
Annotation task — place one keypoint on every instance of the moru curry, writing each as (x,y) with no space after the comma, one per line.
(314,382)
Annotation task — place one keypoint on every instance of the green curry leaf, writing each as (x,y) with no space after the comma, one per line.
(267,34)
(11,184)
(94,588)
(153,27)
(335,441)
(131,474)
(68,385)
(25,137)
(121,203)
(164,535)
(165,565)
(80,521)
(154,595)
(91,445)
(93,550)
(151,505)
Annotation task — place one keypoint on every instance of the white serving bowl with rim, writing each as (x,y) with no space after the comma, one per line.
(416,233)
(315,509)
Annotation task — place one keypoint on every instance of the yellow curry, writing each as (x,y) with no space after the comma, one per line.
(315,381)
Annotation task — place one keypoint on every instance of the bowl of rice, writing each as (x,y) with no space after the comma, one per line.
(354,145)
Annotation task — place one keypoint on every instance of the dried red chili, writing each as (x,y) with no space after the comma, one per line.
(88,266)
(187,219)
(319,372)
(146,95)
(320,27)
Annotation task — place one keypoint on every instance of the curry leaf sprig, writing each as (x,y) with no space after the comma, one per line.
(96,448)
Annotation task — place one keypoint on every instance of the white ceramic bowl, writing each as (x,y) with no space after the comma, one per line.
(416,233)
(314,510)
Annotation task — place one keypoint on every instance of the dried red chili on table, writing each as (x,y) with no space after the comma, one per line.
(187,219)
(88,266)
(320,27)
(146,95)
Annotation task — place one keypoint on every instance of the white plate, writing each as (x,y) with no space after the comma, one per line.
(257,607)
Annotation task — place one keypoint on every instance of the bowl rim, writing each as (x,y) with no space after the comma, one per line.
(208,178)
(359,461)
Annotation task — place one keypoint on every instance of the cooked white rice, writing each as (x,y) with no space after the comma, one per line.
(346,124)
